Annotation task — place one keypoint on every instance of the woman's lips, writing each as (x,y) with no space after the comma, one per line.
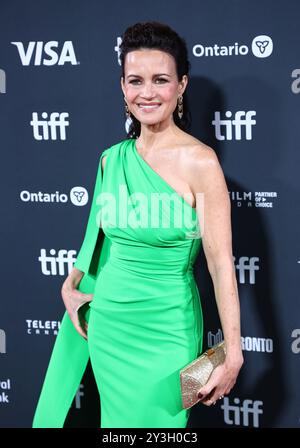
(149,107)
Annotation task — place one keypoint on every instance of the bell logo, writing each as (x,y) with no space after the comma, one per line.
(246,415)
(40,53)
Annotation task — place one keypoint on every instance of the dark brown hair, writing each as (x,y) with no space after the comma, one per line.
(156,35)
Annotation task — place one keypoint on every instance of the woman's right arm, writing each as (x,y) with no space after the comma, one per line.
(73,279)
(74,299)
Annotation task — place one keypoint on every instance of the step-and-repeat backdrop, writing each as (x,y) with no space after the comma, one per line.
(61,105)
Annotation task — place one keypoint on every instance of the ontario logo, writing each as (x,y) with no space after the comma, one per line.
(260,47)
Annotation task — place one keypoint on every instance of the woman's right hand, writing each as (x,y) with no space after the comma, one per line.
(74,299)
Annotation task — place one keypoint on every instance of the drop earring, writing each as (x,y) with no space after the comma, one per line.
(126,109)
(180,107)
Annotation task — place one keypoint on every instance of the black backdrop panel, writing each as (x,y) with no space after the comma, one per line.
(59,64)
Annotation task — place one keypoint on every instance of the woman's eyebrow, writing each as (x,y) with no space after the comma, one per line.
(157,74)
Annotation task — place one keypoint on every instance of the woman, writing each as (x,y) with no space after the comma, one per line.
(131,297)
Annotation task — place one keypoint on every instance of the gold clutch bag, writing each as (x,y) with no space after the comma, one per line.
(196,374)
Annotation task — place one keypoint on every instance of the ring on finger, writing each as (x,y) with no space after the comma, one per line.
(221,397)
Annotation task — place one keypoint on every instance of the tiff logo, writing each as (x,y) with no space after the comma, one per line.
(2,341)
(79,394)
(243,415)
(247,264)
(2,81)
(41,53)
(117,49)
(55,264)
(238,123)
(41,128)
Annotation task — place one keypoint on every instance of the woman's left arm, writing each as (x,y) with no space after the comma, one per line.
(214,212)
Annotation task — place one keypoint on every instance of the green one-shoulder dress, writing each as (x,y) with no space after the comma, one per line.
(145,319)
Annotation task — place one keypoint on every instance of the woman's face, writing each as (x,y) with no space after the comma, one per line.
(151,86)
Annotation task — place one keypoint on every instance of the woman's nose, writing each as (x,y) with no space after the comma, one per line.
(147,90)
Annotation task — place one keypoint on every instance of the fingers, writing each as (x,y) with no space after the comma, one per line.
(210,397)
(74,300)
(81,331)
(83,300)
(211,401)
(219,385)
(81,326)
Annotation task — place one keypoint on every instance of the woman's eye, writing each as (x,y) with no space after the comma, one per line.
(134,81)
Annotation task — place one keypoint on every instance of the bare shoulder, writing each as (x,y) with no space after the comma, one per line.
(202,165)
(199,156)
(200,153)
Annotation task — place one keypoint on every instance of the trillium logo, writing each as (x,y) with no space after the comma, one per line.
(262,46)
(79,196)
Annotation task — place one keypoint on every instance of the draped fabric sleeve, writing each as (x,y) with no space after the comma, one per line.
(95,246)
(70,352)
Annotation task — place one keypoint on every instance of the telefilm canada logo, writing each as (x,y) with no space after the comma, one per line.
(249,199)
(78,196)
(260,47)
(42,327)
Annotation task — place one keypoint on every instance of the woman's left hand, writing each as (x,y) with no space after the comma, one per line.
(221,382)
